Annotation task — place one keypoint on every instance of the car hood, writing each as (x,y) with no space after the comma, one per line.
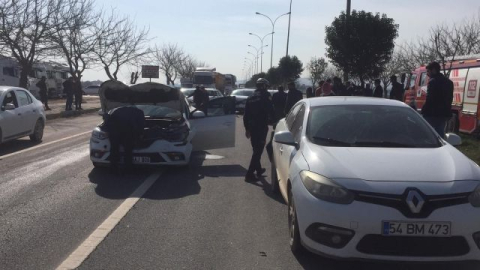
(443,164)
(114,94)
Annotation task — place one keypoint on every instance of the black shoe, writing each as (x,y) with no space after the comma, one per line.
(261,172)
(250,178)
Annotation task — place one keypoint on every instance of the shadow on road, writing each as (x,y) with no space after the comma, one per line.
(16,145)
(310,261)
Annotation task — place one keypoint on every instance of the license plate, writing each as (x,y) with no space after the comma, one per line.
(141,159)
(401,228)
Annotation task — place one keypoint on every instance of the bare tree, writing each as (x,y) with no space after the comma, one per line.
(394,67)
(186,68)
(168,58)
(24,26)
(119,42)
(74,36)
(316,67)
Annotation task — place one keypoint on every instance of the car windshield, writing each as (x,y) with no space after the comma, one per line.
(369,126)
(188,92)
(152,111)
(244,93)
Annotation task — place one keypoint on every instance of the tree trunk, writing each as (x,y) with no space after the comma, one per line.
(23,82)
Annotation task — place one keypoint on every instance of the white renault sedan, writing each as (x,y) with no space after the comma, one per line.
(21,114)
(173,129)
(369,178)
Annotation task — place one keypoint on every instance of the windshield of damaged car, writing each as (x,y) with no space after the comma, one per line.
(152,111)
(369,126)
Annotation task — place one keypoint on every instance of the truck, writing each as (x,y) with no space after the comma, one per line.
(230,83)
(464,72)
(209,78)
(55,73)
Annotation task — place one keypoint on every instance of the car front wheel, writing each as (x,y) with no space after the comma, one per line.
(37,135)
(295,243)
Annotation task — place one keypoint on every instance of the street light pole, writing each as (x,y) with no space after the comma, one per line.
(289,21)
(255,57)
(261,44)
(273,32)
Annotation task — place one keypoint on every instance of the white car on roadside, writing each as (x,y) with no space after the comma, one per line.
(369,178)
(21,114)
(173,129)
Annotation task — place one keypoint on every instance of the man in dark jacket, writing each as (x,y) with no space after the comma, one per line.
(68,87)
(42,85)
(378,92)
(77,90)
(279,100)
(124,125)
(397,89)
(200,98)
(338,88)
(258,114)
(293,97)
(437,109)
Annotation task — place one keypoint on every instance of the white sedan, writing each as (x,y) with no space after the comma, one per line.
(369,178)
(21,114)
(172,128)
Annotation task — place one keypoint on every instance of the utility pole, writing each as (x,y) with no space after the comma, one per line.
(347,33)
(289,22)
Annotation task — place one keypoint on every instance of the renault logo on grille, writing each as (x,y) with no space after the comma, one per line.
(415,201)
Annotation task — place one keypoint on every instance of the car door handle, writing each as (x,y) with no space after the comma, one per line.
(19,114)
(281,150)
(34,111)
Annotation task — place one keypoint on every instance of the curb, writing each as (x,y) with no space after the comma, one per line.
(65,114)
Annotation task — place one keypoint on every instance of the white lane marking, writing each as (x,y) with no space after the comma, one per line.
(43,145)
(76,258)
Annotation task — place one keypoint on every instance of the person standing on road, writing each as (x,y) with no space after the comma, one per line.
(326,88)
(293,97)
(318,91)
(42,85)
(199,99)
(258,114)
(279,100)
(310,93)
(437,109)
(338,88)
(378,92)
(124,126)
(397,89)
(68,87)
(77,90)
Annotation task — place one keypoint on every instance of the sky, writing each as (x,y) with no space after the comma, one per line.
(217,31)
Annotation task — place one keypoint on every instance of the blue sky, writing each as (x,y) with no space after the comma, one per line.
(216,31)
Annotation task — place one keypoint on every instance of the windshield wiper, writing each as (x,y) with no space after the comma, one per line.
(383,144)
(332,141)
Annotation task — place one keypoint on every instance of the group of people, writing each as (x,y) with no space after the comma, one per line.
(70,88)
(336,87)
(262,109)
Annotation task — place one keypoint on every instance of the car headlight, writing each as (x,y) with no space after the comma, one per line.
(325,189)
(98,134)
(474,198)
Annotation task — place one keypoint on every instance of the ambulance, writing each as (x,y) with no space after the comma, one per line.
(465,75)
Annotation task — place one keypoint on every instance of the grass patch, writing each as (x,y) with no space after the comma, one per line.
(470,147)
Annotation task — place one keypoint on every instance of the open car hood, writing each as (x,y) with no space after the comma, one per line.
(114,94)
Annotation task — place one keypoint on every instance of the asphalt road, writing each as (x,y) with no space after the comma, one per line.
(200,217)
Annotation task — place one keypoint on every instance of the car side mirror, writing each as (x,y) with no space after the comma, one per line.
(285,137)
(453,139)
(198,114)
(8,107)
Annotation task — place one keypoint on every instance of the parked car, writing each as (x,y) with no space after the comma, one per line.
(241,96)
(173,128)
(91,90)
(21,115)
(212,94)
(369,178)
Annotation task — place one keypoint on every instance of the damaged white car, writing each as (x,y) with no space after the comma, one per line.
(172,130)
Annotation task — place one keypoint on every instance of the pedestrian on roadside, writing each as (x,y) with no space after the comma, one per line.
(259,113)
(293,96)
(437,109)
(68,87)
(279,101)
(199,99)
(326,88)
(378,92)
(310,93)
(78,92)
(338,88)
(42,85)
(397,91)
(318,91)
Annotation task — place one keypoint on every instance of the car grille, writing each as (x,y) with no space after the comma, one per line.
(432,202)
(413,246)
